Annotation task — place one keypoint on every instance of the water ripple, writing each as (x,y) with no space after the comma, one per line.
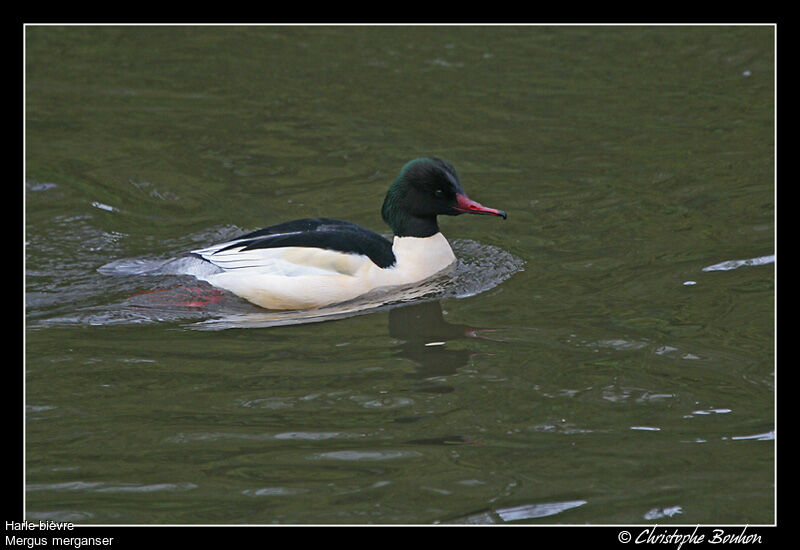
(517,513)
(736,264)
(366,455)
(165,289)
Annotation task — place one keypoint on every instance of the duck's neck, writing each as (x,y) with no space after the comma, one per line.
(411,226)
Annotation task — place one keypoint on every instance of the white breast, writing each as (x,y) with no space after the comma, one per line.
(418,258)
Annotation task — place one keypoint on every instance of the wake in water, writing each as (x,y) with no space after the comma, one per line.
(479,268)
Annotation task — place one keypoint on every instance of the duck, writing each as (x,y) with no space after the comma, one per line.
(317,262)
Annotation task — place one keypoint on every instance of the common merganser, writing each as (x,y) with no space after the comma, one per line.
(316,262)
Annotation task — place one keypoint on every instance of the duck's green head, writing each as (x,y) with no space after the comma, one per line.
(426,188)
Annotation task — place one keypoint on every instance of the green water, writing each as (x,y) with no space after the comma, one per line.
(605,376)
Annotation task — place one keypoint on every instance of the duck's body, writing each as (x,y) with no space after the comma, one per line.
(280,276)
(312,263)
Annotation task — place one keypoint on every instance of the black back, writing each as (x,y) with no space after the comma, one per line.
(324,233)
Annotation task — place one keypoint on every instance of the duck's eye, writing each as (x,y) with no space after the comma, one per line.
(439,193)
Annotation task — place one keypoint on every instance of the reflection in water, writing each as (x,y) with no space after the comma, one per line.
(425,334)
(414,312)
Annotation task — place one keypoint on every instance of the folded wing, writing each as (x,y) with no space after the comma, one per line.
(302,247)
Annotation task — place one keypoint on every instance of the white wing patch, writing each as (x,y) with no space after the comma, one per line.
(290,261)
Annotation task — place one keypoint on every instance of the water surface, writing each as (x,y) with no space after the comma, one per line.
(606,355)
